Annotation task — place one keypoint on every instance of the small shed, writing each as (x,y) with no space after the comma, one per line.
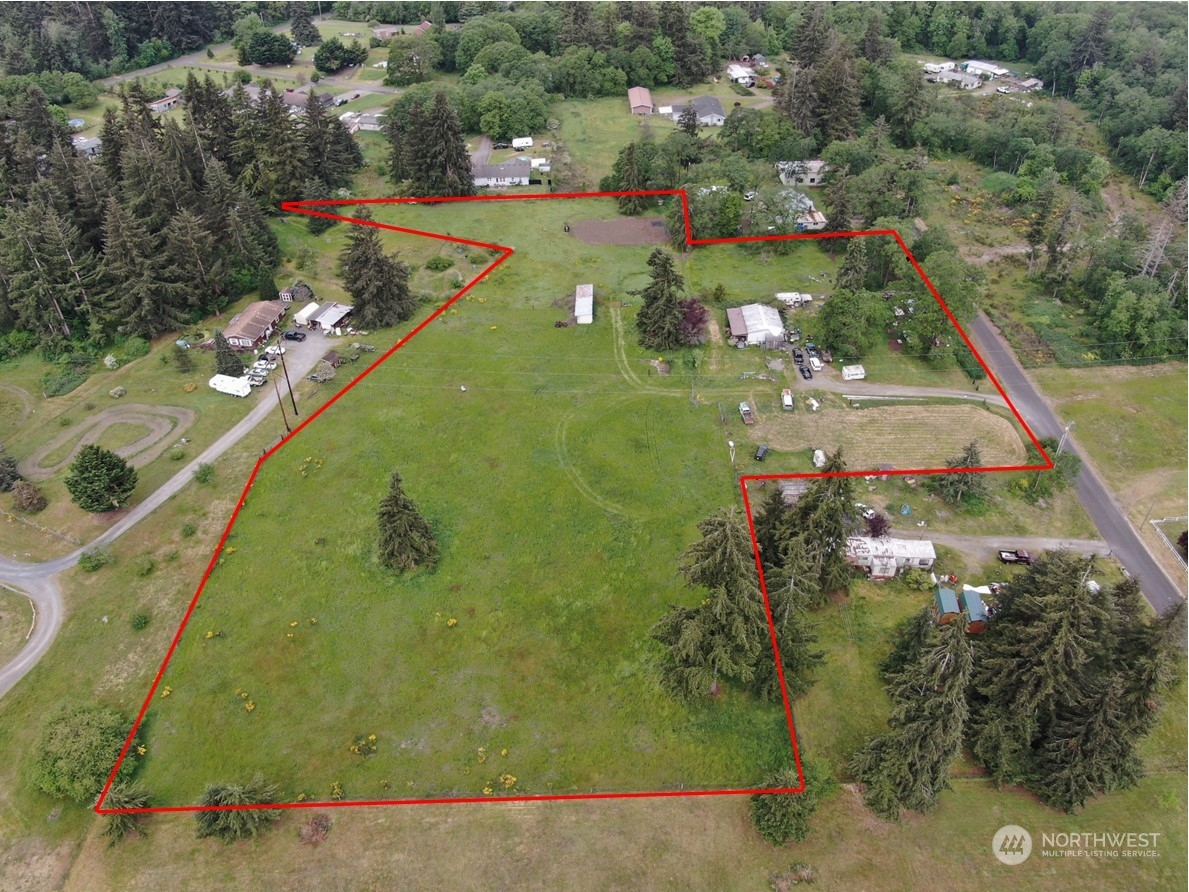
(302,319)
(947,604)
(640,101)
(975,610)
(299,290)
(853,373)
(584,304)
(332,359)
(330,316)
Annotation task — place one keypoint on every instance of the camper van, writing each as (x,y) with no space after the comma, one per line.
(524,142)
(233,386)
(815,363)
(786,400)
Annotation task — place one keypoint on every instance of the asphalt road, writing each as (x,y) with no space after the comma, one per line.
(1124,542)
(37,579)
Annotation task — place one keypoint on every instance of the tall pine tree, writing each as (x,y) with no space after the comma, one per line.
(227,362)
(438,161)
(659,318)
(406,538)
(378,283)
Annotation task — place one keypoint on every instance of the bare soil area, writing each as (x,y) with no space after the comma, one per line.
(624,231)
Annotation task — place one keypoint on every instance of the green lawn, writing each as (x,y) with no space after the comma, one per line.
(16,615)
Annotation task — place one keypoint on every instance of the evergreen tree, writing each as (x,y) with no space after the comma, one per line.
(302,28)
(398,148)
(378,283)
(438,161)
(266,285)
(316,190)
(226,360)
(632,178)
(852,275)
(193,261)
(659,318)
(9,475)
(230,824)
(99,480)
(333,156)
(145,304)
(123,796)
(964,487)
(836,81)
(912,636)
(908,768)
(406,539)
(780,817)
(773,526)
(809,39)
(795,97)
(822,521)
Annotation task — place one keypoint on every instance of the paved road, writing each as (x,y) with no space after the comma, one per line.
(1124,542)
(861,390)
(37,579)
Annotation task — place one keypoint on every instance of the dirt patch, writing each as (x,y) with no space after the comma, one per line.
(162,423)
(624,231)
(31,865)
(905,436)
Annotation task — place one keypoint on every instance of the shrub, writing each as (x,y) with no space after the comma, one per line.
(79,745)
(188,530)
(99,480)
(65,421)
(315,829)
(132,348)
(741,90)
(145,565)
(140,621)
(230,825)
(90,561)
(477,258)
(439,263)
(204,473)
(177,454)
(123,796)
(28,498)
(799,872)
(9,475)
(61,383)
(916,579)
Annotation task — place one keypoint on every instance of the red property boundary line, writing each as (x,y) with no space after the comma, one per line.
(309,208)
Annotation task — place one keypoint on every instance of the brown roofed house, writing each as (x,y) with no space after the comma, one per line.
(254,324)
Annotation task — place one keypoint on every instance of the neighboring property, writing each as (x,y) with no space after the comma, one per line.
(584,304)
(355,121)
(975,610)
(387,32)
(853,373)
(332,359)
(802,173)
(88,146)
(741,74)
(330,317)
(755,324)
(1032,83)
(884,558)
(799,206)
(301,101)
(959,80)
(794,299)
(984,69)
(511,173)
(759,60)
(251,90)
(299,290)
(708,108)
(947,604)
(938,67)
(424,28)
(254,325)
(171,99)
(233,386)
(302,319)
(640,101)
(792,490)
(522,142)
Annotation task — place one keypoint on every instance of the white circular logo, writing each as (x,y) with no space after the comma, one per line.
(1012,844)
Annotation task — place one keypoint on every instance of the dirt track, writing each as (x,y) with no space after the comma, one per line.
(624,231)
(163,423)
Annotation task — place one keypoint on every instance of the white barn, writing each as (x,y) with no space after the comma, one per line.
(755,324)
(584,304)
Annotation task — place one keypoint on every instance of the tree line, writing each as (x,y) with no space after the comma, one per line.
(166,226)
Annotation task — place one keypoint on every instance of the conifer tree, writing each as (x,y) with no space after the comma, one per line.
(145,304)
(912,636)
(226,360)
(773,527)
(99,480)
(438,161)
(836,80)
(964,487)
(378,283)
(231,824)
(659,318)
(398,148)
(193,260)
(852,275)
(632,178)
(809,39)
(796,97)
(315,190)
(908,767)
(822,520)
(331,152)
(302,28)
(406,539)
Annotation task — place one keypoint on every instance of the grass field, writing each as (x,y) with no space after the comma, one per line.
(16,615)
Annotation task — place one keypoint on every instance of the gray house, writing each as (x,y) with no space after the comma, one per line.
(511,173)
(709,109)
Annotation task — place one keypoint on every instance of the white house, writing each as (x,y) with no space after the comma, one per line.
(708,108)
(584,304)
(884,558)
(802,173)
(755,324)
(511,173)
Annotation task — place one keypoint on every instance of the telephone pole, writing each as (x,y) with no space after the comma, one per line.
(285,369)
(281,403)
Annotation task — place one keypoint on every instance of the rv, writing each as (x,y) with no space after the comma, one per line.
(853,373)
(524,142)
(786,400)
(233,386)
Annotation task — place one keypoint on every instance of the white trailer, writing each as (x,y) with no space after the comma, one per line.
(233,386)
(853,373)
(522,142)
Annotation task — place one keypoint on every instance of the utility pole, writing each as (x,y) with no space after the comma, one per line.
(285,369)
(1061,445)
(281,403)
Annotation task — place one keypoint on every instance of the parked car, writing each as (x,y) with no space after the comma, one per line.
(798,356)
(295,336)
(748,196)
(1019,556)
(761,452)
(815,363)
(502,145)
(805,373)
(274,350)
